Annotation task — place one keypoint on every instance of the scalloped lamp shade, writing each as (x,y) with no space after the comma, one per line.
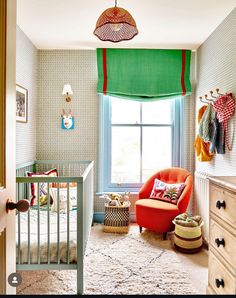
(115,24)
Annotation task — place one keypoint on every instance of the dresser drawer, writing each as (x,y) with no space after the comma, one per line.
(223,204)
(223,241)
(210,291)
(220,279)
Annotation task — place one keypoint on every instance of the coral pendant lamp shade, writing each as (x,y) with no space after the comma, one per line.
(115,24)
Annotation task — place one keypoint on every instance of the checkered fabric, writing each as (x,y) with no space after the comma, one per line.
(225,107)
(116,216)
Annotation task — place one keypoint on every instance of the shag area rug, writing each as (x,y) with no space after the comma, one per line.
(116,264)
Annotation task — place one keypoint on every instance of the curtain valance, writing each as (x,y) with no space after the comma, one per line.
(144,74)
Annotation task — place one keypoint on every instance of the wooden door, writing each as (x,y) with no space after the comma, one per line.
(7,141)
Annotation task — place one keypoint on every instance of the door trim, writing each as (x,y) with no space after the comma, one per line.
(3,40)
(3,262)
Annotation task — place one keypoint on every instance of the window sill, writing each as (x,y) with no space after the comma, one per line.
(117,191)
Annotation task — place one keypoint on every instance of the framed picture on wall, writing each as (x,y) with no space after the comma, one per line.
(21,104)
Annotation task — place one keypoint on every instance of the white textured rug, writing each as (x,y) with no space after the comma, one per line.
(118,264)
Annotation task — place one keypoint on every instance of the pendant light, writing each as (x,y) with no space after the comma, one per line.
(115,24)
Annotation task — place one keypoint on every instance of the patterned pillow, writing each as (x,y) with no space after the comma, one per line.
(167,192)
(43,187)
(63,197)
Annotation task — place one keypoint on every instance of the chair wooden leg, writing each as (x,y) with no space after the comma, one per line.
(140,229)
(164,235)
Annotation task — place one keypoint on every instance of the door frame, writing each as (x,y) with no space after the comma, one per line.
(7,98)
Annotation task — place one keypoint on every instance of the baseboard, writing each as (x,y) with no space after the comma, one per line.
(99,217)
(132,217)
(205,244)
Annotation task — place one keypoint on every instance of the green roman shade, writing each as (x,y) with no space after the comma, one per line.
(143,74)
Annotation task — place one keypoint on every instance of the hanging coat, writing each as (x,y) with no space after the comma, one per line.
(225,107)
(217,137)
(206,129)
(202,148)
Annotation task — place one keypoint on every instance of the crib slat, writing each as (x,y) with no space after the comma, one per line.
(48,223)
(38,223)
(68,224)
(29,236)
(58,224)
(19,240)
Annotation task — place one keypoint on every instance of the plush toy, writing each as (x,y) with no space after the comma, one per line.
(115,199)
(107,199)
(115,196)
(114,203)
(126,196)
(187,220)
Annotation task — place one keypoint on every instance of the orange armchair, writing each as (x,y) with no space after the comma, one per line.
(158,215)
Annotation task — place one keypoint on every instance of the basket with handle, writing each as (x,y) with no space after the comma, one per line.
(116,219)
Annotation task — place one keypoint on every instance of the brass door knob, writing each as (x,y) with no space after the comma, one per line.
(21,206)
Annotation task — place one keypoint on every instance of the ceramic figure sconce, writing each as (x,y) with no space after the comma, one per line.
(67,121)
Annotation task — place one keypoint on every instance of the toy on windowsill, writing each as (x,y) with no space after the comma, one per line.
(117,200)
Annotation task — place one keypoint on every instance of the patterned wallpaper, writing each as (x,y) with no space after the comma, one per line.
(216,63)
(79,69)
(26,76)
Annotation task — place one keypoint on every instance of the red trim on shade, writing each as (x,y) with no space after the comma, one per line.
(104,55)
(183,71)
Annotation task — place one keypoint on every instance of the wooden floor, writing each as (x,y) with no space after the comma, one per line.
(197,266)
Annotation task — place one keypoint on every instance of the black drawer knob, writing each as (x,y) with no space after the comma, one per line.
(220,204)
(219,283)
(220,242)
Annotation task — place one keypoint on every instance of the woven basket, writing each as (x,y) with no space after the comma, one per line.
(188,239)
(116,219)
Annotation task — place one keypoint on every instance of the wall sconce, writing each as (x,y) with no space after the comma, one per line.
(67,91)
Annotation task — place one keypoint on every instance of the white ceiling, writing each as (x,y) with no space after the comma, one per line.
(69,24)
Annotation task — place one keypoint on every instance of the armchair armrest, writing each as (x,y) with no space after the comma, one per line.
(146,189)
(186,195)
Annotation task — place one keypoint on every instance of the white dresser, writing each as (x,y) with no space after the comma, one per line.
(222,236)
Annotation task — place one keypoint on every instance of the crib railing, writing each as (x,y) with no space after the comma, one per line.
(45,252)
(64,168)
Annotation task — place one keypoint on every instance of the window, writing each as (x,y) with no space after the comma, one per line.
(137,139)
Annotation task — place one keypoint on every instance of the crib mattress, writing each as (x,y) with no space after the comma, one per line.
(54,236)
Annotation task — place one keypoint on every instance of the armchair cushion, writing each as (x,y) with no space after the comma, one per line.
(156,215)
(166,192)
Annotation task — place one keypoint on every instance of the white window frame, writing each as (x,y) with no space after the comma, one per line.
(105,125)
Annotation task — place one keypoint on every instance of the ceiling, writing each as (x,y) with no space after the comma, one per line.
(69,24)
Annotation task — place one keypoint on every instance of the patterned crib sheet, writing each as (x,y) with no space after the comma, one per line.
(43,228)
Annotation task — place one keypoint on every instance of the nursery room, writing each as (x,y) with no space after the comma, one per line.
(117,147)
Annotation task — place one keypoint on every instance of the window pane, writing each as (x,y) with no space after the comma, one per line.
(125,111)
(157,112)
(125,155)
(157,149)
